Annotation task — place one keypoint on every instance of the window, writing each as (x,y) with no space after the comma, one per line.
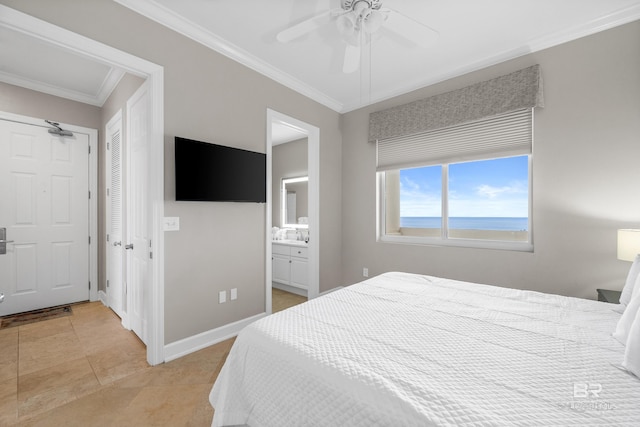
(455,168)
(480,203)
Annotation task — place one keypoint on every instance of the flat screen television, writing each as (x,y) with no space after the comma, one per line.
(215,173)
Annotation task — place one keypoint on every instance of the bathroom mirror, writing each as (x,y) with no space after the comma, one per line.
(294,197)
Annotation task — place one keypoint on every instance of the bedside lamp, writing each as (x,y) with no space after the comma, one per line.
(628,244)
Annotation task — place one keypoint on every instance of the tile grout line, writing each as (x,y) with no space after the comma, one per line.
(84,351)
(18,376)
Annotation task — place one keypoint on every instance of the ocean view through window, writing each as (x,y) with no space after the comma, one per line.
(482,203)
(468,223)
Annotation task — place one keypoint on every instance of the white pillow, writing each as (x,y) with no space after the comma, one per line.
(629,285)
(632,352)
(628,317)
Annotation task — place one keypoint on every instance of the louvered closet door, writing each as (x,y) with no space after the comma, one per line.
(115,270)
(44,206)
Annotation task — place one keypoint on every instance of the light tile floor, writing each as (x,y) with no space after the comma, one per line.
(281,300)
(86,370)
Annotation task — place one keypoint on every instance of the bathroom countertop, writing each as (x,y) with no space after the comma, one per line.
(298,243)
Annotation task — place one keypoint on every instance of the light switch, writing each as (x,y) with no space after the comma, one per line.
(171,223)
(234,294)
(222,297)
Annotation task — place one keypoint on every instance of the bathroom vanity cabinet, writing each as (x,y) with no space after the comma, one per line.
(289,265)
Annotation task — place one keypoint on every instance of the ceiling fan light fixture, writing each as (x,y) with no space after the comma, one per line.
(346,24)
(373,21)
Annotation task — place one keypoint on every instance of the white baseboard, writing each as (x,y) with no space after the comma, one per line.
(103,298)
(197,342)
(330,290)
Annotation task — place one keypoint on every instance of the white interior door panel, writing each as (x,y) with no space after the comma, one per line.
(44,207)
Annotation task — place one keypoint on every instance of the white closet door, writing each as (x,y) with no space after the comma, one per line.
(138,228)
(115,252)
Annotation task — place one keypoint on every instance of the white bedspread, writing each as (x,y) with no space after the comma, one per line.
(410,350)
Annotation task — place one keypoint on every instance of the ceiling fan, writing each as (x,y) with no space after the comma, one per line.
(358,22)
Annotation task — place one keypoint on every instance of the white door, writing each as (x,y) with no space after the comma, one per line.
(44,206)
(137,229)
(114,248)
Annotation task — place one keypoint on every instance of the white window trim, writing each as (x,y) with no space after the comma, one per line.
(444,240)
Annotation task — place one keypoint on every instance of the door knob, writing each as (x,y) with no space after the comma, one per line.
(129,246)
(117,243)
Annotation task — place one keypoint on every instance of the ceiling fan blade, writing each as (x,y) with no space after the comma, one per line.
(302,28)
(351,59)
(410,29)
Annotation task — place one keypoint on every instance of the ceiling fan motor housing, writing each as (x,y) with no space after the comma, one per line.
(360,19)
(349,5)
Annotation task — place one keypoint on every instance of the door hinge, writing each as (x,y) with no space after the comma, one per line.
(89,239)
(107,192)
(150,251)
(89,149)
(108,146)
(89,194)
(89,284)
(107,237)
(107,283)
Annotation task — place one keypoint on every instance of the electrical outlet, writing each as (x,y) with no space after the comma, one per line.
(365,272)
(171,223)
(222,297)
(234,294)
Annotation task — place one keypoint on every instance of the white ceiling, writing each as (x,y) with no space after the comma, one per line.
(472,34)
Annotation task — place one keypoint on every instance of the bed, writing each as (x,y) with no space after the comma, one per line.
(403,349)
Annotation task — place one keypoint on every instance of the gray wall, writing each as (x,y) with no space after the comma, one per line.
(289,160)
(26,102)
(212,98)
(585,176)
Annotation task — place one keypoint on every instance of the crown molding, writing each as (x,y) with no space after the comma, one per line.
(49,89)
(51,34)
(164,16)
(616,19)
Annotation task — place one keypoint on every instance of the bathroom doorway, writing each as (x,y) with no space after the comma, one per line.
(294,260)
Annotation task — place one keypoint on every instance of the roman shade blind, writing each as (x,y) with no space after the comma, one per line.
(500,136)
(489,118)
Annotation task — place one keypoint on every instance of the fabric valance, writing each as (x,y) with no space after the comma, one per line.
(515,91)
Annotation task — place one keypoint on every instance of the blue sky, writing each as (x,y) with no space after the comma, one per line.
(489,188)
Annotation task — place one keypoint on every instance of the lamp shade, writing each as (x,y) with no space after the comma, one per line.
(628,244)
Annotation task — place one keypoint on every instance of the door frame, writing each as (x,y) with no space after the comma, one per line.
(313,171)
(93,188)
(84,46)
